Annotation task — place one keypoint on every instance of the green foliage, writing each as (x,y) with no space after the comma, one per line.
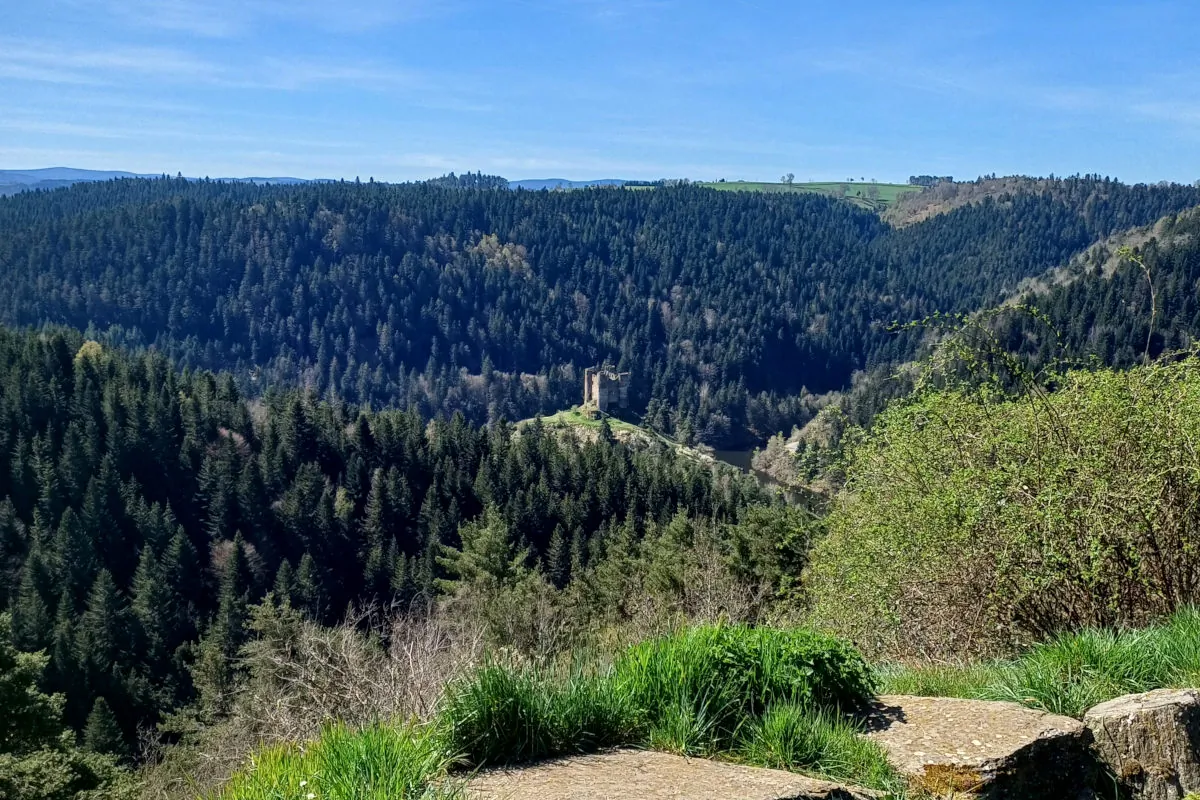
(63,773)
(506,714)
(38,760)
(817,742)
(689,693)
(396,295)
(973,521)
(29,719)
(1073,671)
(176,510)
(103,734)
(711,679)
(376,763)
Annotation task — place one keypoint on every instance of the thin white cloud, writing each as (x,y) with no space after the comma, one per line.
(235,18)
(53,62)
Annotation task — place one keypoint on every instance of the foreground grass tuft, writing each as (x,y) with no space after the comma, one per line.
(1073,672)
(506,715)
(375,763)
(817,742)
(763,696)
(698,686)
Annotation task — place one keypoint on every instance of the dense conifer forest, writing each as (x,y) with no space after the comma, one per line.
(1101,308)
(142,511)
(211,393)
(458,296)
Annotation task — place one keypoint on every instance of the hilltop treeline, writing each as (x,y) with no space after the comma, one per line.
(724,306)
(142,511)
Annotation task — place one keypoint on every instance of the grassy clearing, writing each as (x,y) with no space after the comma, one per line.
(375,763)
(875,196)
(575,418)
(1073,672)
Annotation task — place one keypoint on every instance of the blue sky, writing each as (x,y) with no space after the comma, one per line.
(400,89)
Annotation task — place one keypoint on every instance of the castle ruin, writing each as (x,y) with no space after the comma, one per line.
(603,389)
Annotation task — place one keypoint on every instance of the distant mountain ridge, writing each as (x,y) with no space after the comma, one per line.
(20,180)
(535,184)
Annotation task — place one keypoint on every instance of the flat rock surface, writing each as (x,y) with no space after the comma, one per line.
(655,776)
(994,749)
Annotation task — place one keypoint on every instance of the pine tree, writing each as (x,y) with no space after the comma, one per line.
(558,559)
(181,575)
(75,557)
(309,597)
(151,609)
(102,733)
(102,636)
(13,543)
(31,611)
(488,558)
(214,674)
(284,587)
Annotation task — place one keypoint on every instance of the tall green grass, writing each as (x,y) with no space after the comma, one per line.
(505,715)
(1072,672)
(818,742)
(698,686)
(761,696)
(691,693)
(376,763)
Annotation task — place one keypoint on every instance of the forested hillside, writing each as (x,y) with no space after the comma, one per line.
(1101,306)
(725,306)
(142,510)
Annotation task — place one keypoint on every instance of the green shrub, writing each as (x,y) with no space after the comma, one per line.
(714,678)
(818,742)
(505,715)
(973,523)
(375,763)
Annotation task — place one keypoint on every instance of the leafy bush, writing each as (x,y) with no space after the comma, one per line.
(504,715)
(375,763)
(1072,672)
(38,757)
(818,742)
(713,678)
(974,523)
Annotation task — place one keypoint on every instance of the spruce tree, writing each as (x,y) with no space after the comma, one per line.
(102,635)
(102,733)
(284,587)
(75,556)
(309,595)
(214,674)
(151,609)
(31,610)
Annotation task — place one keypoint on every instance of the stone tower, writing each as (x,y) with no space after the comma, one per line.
(603,389)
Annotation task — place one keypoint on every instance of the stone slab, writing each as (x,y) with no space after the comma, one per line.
(627,774)
(953,747)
